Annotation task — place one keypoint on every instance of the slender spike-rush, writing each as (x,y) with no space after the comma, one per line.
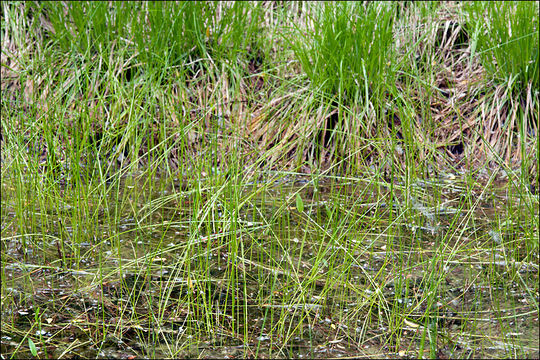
(269,179)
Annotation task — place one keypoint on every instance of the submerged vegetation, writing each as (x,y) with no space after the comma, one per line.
(269,179)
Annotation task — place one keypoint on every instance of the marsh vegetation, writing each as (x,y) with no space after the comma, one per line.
(269,179)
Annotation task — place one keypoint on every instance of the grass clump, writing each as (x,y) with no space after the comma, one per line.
(346,48)
(160,35)
(506,36)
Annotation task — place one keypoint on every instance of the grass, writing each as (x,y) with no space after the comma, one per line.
(346,52)
(269,180)
(512,41)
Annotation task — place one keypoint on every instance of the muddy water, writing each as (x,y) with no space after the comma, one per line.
(168,269)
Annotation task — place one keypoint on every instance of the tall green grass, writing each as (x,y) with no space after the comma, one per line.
(346,49)
(505,35)
(160,35)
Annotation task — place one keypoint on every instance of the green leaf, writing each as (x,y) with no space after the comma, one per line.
(299,203)
(32,346)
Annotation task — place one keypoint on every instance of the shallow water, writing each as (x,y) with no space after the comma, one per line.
(167,269)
